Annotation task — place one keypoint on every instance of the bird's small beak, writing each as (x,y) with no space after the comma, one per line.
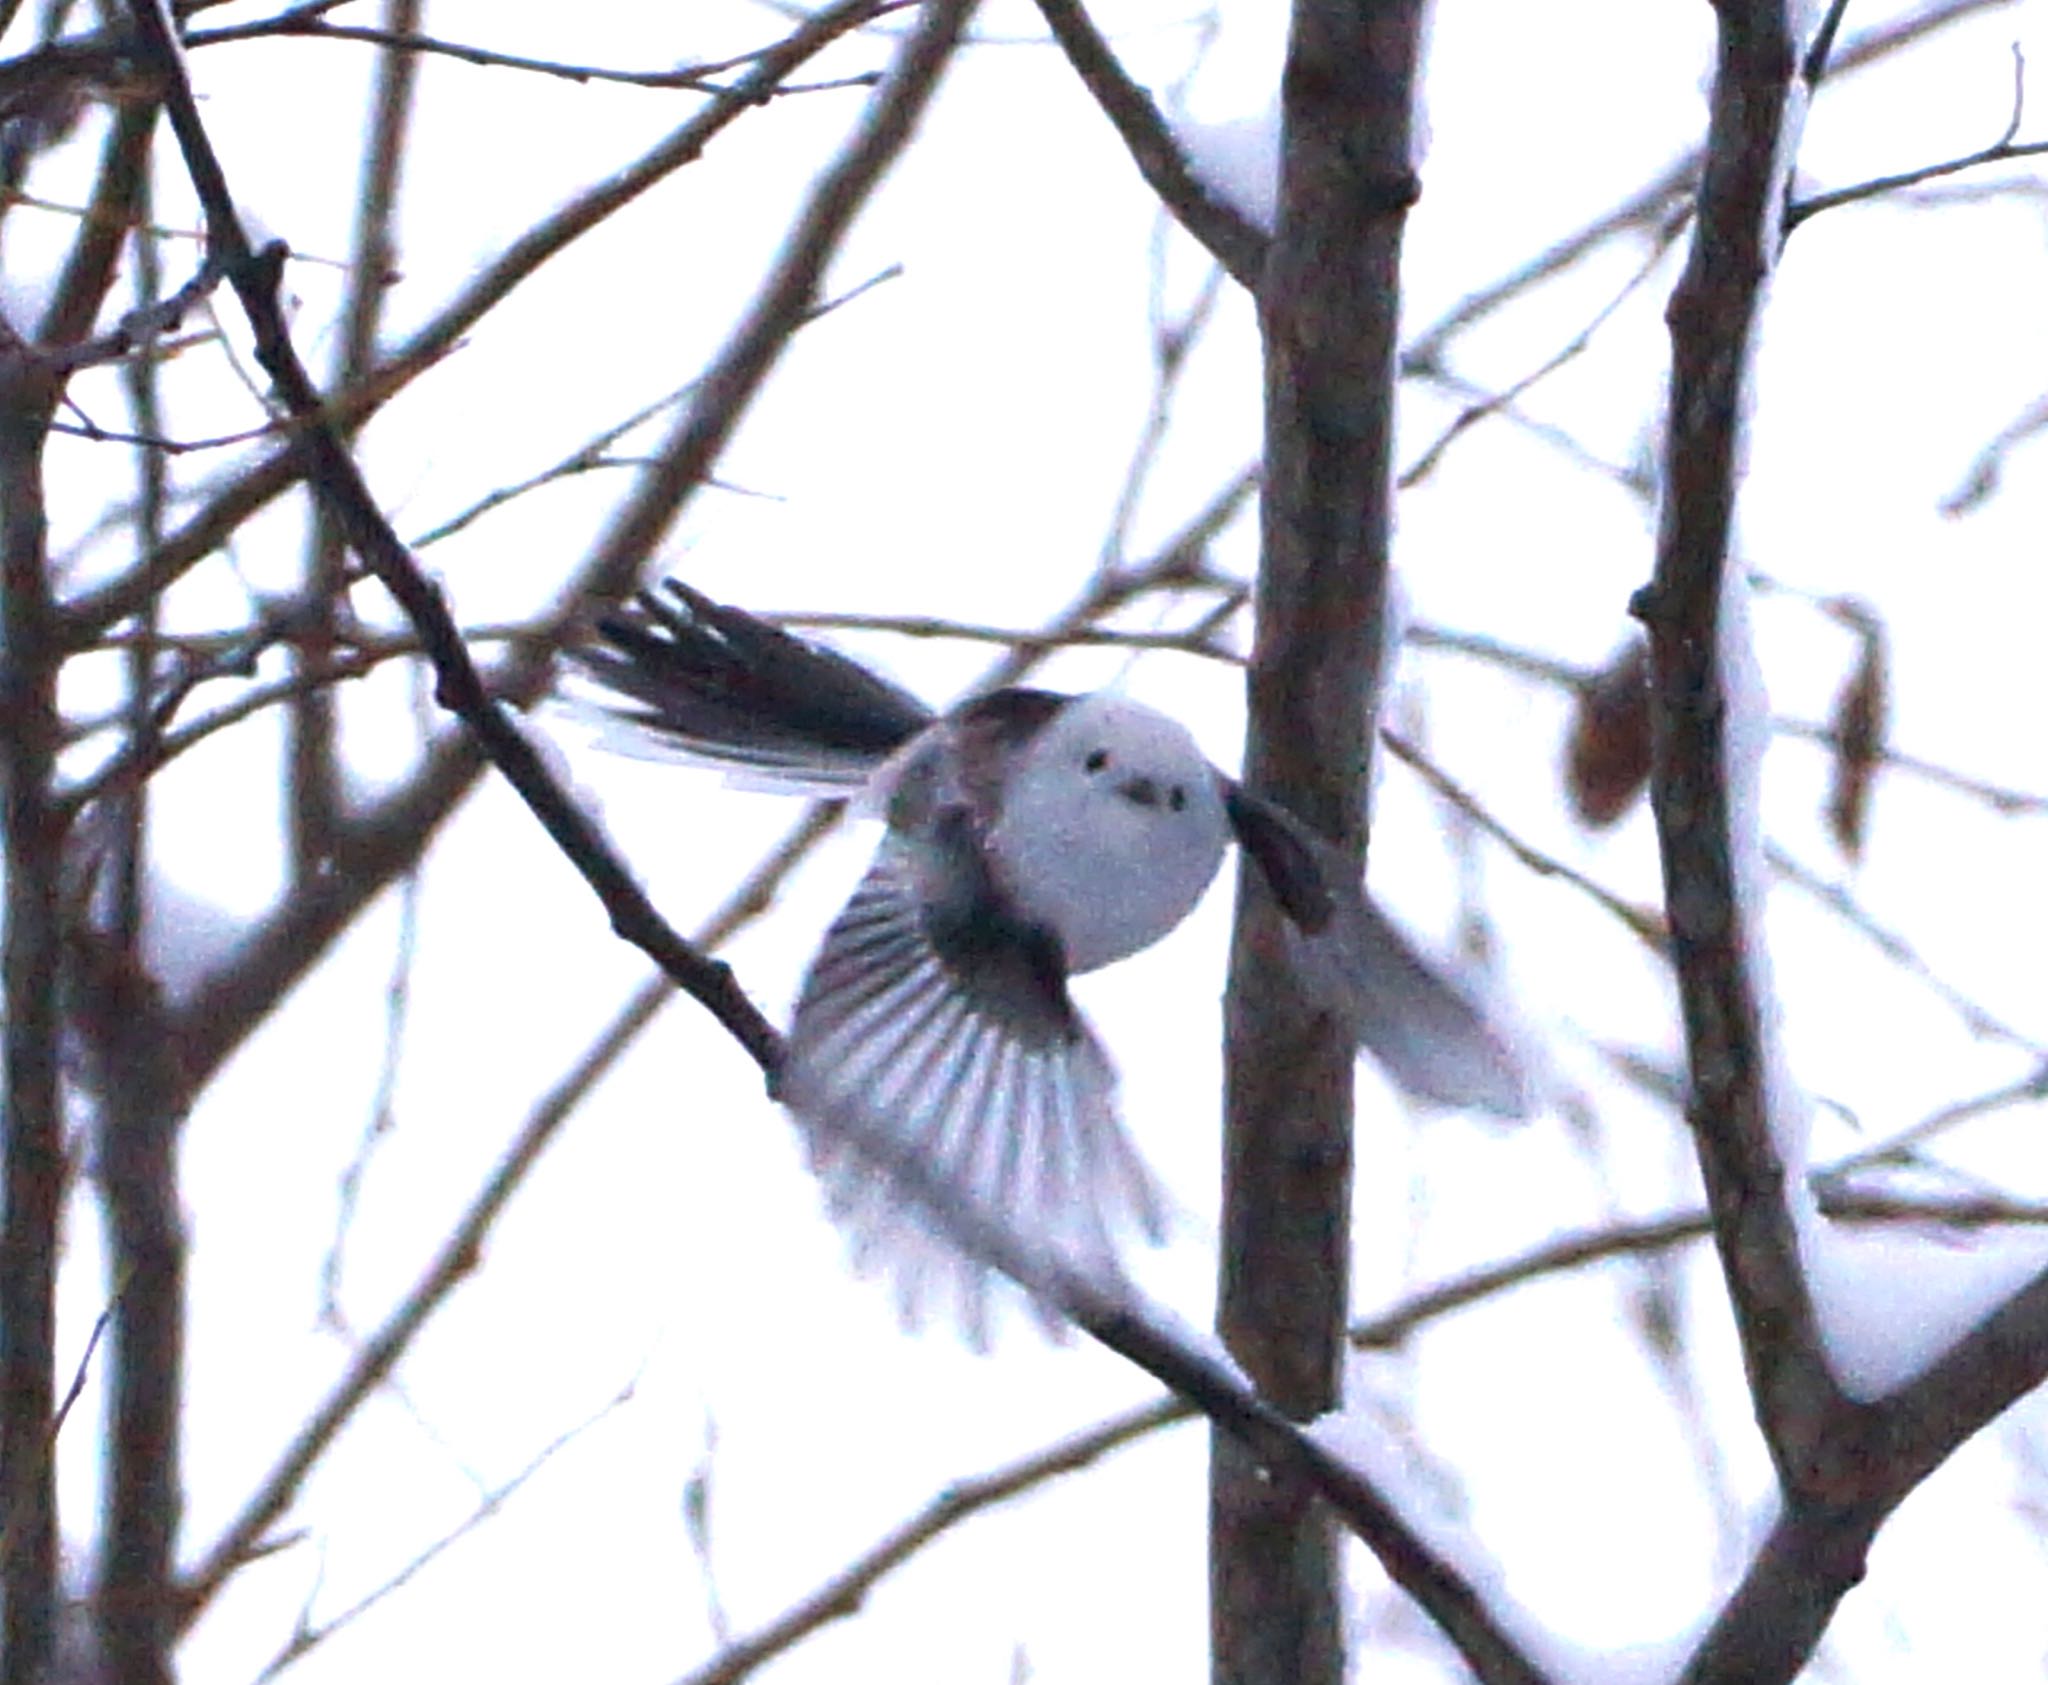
(1140,790)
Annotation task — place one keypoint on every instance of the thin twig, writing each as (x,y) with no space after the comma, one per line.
(2002,150)
(251,491)
(1645,925)
(693,78)
(308,1636)
(1980,1019)
(1661,241)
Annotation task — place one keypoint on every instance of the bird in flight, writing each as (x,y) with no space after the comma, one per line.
(936,1057)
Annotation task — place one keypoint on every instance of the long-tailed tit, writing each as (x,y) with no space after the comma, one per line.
(1030,836)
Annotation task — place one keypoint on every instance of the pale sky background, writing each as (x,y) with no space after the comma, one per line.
(952,444)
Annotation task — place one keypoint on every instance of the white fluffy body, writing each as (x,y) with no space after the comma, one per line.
(1112,829)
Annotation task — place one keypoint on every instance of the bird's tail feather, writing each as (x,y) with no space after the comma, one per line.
(693,679)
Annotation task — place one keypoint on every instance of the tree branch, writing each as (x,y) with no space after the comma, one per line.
(90,615)
(314,776)
(1230,237)
(1712,884)
(381,841)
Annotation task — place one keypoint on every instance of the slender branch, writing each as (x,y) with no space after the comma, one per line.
(455,1261)
(1815,66)
(1980,1020)
(1710,855)
(2000,798)
(1987,468)
(136,332)
(309,1635)
(1904,1147)
(1198,640)
(1231,238)
(117,1013)
(1172,345)
(1642,923)
(254,278)
(2002,150)
(91,614)
(791,294)
(145,758)
(1662,238)
(1670,192)
(593,454)
(313,757)
(844,1593)
(406,41)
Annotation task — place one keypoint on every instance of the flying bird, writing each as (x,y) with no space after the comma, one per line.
(935,1050)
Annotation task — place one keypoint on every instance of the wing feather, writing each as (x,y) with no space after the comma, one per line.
(934,1108)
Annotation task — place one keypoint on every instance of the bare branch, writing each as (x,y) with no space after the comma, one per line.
(407,40)
(1712,316)
(1230,237)
(843,1594)
(1642,923)
(594,453)
(223,514)
(790,297)
(243,1539)
(2000,798)
(309,1635)
(1670,193)
(1904,1147)
(380,841)
(2003,150)
(846,1592)
(1895,948)
(1982,477)
(313,765)
(1660,241)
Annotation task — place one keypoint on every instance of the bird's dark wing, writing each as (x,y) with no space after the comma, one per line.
(718,686)
(1424,1031)
(1286,855)
(964,764)
(948,1089)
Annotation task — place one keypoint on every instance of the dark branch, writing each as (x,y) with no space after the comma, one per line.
(1714,939)
(1231,238)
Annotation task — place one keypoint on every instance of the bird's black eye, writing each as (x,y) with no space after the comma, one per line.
(1178,799)
(1096,761)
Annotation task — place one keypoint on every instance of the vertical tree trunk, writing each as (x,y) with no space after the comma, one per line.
(1329,313)
(34,1153)
(140,1110)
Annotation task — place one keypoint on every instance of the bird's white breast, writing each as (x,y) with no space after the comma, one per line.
(1079,854)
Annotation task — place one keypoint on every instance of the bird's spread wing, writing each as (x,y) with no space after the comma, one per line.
(950,1092)
(698,681)
(1424,1031)
(1431,1037)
